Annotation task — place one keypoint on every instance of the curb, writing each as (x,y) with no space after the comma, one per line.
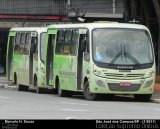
(3,85)
(155,100)
(12,87)
(7,86)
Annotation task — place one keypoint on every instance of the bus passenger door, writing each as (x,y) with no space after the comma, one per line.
(33,55)
(82,46)
(10,57)
(49,59)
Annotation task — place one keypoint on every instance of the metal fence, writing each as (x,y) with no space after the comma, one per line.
(33,7)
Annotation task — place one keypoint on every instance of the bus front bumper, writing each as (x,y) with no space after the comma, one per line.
(112,86)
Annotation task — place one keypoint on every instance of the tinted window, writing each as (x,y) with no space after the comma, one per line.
(74,42)
(69,45)
(28,43)
(17,42)
(22,43)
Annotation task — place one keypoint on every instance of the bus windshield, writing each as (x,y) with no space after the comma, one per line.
(129,47)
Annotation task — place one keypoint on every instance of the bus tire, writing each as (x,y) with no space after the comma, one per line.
(15,79)
(39,90)
(19,87)
(143,97)
(87,94)
(22,87)
(61,93)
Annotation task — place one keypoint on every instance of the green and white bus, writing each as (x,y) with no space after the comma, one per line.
(100,58)
(25,58)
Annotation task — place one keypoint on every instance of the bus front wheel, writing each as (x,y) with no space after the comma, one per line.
(87,94)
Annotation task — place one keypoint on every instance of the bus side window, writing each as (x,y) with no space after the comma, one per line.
(35,54)
(28,43)
(60,42)
(34,44)
(42,45)
(67,42)
(17,43)
(68,34)
(74,42)
(60,37)
(22,43)
(84,46)
(83,43)
(87,43)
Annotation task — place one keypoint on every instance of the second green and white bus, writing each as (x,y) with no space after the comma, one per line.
(100,58)
(25,58)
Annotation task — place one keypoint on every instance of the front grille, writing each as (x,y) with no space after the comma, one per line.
(117,87)
(124,76)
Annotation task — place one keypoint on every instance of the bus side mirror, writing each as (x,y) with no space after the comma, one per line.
(33,44)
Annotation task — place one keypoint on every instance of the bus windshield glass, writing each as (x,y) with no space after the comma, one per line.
(129,47)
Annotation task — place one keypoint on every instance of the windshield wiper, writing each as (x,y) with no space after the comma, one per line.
(132,58)
(117,56)
(127,54)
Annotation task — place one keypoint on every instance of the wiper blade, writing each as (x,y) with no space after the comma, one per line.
(125,55)
(132,58)
(117,56)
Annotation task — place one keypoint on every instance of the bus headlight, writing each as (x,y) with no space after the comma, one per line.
(100,83)
(148,83)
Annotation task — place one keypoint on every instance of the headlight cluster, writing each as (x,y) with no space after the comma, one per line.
(100,83)
(148,83)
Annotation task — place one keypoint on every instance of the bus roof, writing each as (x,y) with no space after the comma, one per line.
(100,25)
(39,29)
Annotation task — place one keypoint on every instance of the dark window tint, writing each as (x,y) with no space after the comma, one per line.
(22,43)
(27,43)
(74,42)
(17,42)
(69,45)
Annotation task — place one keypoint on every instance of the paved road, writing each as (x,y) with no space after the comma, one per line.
(29,105)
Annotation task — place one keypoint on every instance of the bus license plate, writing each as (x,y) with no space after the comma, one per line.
(125,84)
